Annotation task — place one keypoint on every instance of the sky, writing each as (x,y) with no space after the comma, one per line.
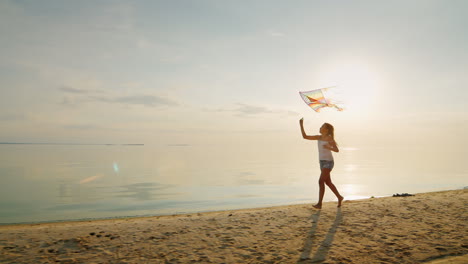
(207,71)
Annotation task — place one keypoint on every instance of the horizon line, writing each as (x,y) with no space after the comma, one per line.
(56,143)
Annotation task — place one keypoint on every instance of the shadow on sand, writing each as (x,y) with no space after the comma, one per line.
(321,253)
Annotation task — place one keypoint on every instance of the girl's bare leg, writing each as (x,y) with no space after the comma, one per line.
(323,176)
(332,186)
(326,179)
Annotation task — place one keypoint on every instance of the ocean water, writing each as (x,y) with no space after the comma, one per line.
(74,182)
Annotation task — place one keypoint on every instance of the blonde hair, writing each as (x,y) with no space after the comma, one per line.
(330,130)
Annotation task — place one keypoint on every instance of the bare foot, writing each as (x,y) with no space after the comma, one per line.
(340,200)
(318,206)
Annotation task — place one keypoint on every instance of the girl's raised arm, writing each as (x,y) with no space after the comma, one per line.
(304,135)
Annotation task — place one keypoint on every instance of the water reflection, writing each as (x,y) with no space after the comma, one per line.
(91,179)
(145,191)
(65,190)
(249,178)
(40,183)
(72,207)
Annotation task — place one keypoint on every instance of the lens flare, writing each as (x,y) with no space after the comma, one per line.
(116,167)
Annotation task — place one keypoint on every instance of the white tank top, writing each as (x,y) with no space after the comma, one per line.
(324,154)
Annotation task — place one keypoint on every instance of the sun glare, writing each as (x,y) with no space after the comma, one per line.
(357,85)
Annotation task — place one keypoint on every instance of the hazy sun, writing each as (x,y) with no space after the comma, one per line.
(357,85)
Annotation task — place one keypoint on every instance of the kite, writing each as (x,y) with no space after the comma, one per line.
(316,99)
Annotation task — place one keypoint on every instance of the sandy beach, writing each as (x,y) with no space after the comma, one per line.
(427,227)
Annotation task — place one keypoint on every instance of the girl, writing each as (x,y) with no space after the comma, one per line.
(326,144)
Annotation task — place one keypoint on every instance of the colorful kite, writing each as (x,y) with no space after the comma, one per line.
(316,99)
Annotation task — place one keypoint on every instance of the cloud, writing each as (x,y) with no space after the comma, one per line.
(12,116)
(145,100)
(75,96)
(252,110)
(73,90)
(274,33)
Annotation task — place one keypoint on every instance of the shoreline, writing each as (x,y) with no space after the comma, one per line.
(190,213)
(416,229)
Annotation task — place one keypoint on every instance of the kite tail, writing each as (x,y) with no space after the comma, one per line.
(335,106)
(338,108)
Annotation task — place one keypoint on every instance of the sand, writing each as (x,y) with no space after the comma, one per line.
(427,227)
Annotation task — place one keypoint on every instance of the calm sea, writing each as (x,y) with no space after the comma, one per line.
(70,182)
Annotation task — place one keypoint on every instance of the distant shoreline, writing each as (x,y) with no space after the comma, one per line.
(78,144)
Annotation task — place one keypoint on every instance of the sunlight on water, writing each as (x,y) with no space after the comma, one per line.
(49,183)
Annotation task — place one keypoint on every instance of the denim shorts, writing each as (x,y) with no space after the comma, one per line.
(327,164)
